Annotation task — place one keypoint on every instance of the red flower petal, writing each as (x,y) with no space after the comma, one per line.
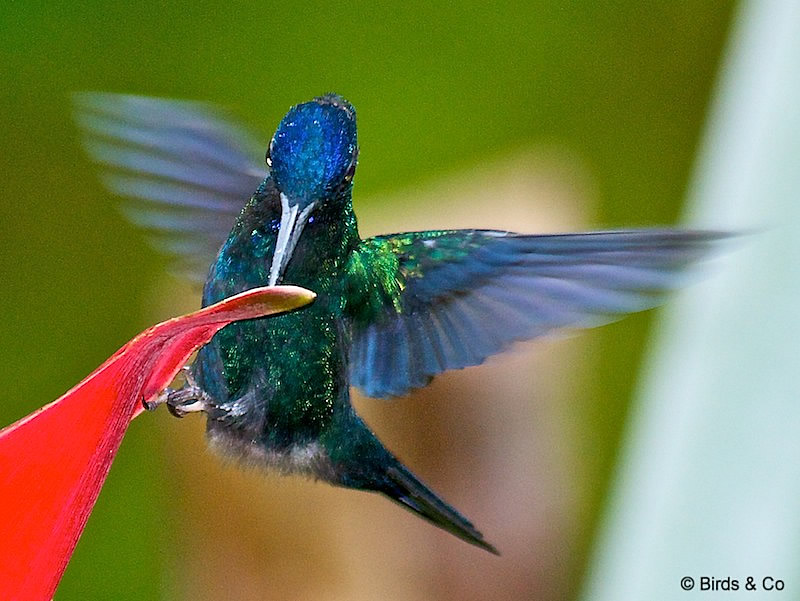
(53,462)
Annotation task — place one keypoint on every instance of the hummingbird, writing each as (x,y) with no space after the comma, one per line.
(391,311)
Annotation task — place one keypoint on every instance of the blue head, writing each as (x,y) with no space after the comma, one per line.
(313,153)
(312,158)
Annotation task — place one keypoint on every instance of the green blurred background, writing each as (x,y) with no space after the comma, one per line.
(523,115)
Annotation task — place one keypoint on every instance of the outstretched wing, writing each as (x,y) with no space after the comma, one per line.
(425,302)
(184,168)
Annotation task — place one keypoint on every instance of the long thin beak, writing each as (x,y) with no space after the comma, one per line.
(292,223)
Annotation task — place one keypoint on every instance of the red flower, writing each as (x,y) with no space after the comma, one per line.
(54,461)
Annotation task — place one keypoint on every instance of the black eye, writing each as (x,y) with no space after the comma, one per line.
(269,157)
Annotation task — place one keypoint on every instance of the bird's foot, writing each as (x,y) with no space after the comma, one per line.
(190,398)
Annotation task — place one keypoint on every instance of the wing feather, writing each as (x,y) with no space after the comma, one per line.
(185,169)
(456,297)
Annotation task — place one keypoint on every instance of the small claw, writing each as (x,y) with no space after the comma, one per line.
(189,399)
(179,408)
(181,401)
(174,411)
(162,398)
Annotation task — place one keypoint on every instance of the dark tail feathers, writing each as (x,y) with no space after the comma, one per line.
(406,489)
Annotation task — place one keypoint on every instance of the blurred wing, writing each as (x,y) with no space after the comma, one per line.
(186,170)
(426,302)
